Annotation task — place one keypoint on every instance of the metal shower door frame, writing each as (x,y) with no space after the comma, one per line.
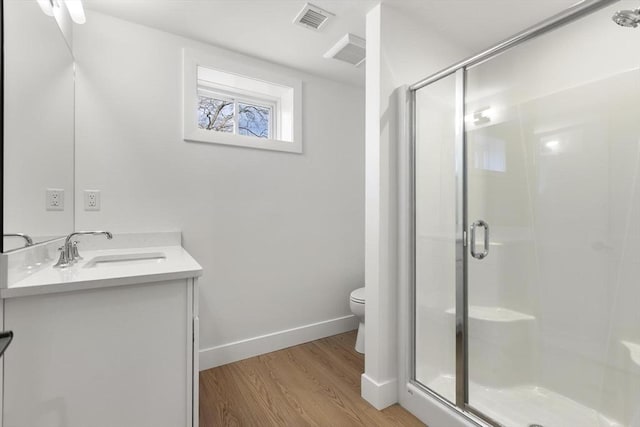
(461,404)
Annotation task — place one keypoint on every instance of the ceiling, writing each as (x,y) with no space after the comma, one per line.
(479,24)
(264,28)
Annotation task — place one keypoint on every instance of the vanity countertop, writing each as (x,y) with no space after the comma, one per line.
(108,268)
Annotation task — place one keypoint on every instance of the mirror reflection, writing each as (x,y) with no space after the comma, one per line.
(38,126)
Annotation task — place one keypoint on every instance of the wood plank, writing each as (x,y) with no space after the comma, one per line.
(313,384)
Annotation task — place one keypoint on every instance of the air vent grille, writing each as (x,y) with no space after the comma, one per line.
(351,54)
(350,49)
(312,17)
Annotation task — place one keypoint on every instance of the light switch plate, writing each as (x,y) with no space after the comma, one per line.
(55,199)
(91,200)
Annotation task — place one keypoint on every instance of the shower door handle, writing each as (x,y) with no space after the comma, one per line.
(485,252)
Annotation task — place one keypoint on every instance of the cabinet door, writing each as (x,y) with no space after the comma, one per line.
(195,348)
(100,358)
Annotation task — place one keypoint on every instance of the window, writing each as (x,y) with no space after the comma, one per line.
(239,116)
(226,107)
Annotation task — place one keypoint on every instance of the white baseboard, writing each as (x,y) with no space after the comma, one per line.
(379,395)
(232,352)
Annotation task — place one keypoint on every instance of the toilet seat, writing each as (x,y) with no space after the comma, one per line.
(357,296)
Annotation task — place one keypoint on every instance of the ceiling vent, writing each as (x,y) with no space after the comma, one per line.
(312,17)
(349,49)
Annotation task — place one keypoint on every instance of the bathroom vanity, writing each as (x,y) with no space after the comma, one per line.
(110,341)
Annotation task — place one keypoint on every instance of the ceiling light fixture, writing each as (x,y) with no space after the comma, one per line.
(553,145)
(46,6)
(76,11)
(482,116)
(74,7)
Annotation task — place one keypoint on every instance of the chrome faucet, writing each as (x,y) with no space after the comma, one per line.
(69,252)
(28,239)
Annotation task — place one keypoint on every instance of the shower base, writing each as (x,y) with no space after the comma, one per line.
(526,405)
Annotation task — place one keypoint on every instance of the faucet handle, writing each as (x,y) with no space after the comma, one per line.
(63,260)
(74,251)
(69,253)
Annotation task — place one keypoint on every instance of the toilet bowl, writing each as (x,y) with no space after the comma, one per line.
(356,303)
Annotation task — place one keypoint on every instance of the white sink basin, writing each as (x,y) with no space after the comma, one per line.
(126,259)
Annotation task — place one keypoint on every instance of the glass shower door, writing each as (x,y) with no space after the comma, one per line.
(434,229)
(553,204)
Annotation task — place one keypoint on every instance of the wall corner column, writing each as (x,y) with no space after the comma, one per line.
(379,382)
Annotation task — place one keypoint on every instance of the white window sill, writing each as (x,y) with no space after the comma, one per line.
(214,137)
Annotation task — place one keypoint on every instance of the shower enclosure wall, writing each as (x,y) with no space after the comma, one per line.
(526,227)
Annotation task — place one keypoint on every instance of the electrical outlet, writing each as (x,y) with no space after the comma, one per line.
(91,200)
(55,199)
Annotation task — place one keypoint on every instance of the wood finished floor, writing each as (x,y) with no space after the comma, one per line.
(313,384)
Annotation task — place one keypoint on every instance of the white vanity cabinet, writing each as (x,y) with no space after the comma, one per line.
(118,355)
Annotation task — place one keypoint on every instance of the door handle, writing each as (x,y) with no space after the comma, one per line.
(485,252)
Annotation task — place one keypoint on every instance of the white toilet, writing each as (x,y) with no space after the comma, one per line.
(356,302)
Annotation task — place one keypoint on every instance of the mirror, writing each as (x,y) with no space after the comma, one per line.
(38,126)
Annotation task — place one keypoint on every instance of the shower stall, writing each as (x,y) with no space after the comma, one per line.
(525,236)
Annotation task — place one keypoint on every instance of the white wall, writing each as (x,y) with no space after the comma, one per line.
(400,51)
(38,123)
(279,235)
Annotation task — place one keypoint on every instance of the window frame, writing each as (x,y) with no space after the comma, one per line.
(284,102)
